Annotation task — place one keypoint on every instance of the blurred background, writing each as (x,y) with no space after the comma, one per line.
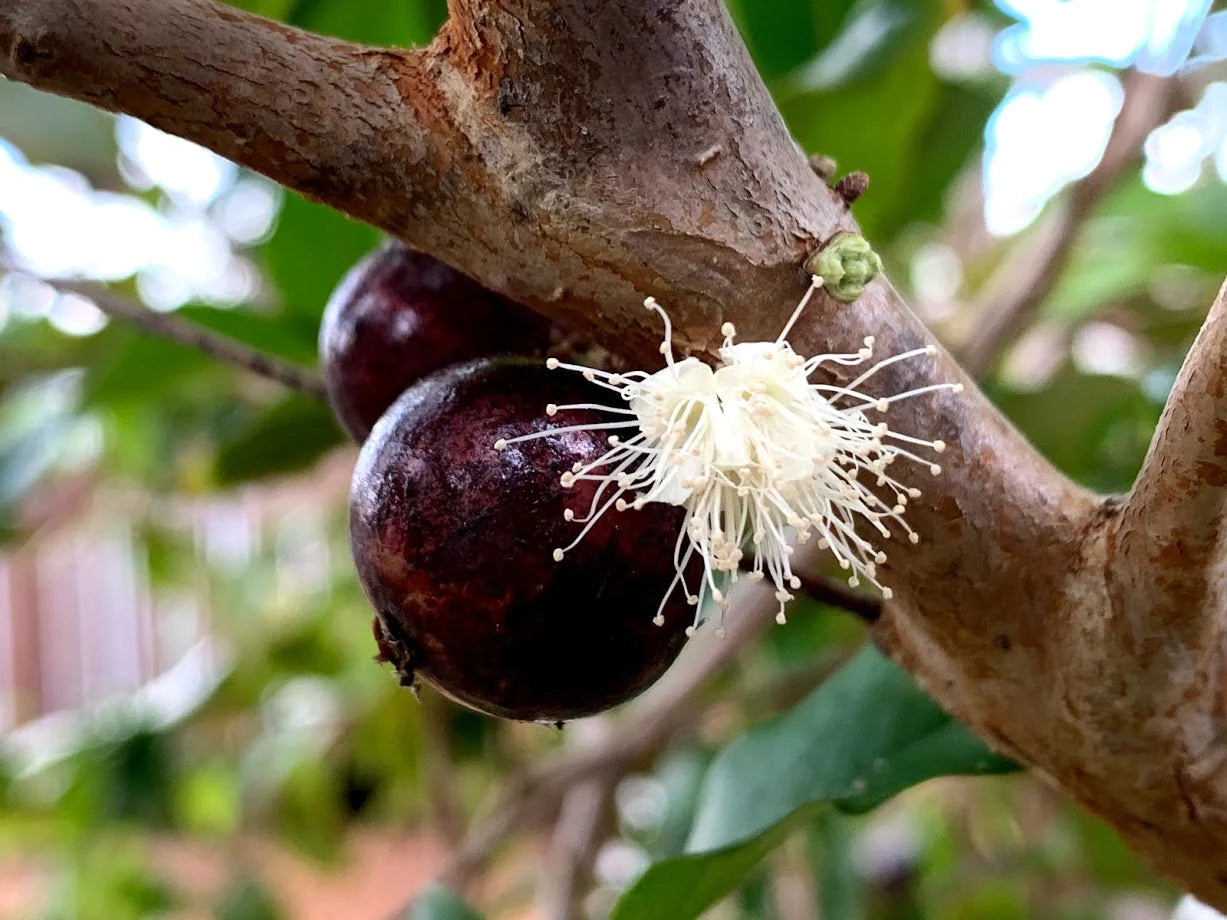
(192,723)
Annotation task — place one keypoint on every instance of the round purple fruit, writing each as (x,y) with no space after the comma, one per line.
(454,543)
(400,315)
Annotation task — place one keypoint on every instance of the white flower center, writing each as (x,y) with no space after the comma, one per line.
(758,455)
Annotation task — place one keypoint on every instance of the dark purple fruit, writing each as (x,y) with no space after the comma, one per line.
(400,315)
(454,545)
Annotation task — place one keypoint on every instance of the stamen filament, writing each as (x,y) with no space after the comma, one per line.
(759,457)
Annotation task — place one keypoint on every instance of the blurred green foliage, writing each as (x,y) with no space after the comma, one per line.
(304,740)
(864,735)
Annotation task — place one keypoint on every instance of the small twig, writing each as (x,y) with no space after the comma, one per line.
(1009,299)
(834,592)
(176,329)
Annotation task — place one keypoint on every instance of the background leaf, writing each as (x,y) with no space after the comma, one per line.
(866,101)
(683,887)
(290,436)
(439,903)
(864,735)
(375,22)
(861,737)
(311,250)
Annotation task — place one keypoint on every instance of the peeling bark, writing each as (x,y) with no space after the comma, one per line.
(581,155)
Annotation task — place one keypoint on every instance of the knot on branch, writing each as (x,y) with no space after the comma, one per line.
(31,53)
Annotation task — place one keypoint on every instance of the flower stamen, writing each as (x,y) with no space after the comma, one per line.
(759,457)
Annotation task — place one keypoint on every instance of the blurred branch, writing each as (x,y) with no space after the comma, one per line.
(177,329)
(1009,299)
(438,766)
(573,847)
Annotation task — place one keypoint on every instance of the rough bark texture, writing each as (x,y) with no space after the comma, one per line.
(579,155)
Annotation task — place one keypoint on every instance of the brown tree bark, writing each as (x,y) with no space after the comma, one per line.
(580,155)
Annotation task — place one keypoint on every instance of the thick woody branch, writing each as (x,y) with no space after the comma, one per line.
(581,155)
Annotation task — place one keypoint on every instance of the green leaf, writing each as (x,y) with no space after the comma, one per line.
(786,33)
(840,888)
(376,22)
(439,903)
(949,136)
(286,438)
(1133,233)
(248,899)
(1115,421)
(683,887)
(861,737)
(140,367)
(872,101)
(312,249)
(274,9)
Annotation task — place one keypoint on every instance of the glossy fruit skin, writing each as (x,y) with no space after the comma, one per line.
(453,542)
(399,315)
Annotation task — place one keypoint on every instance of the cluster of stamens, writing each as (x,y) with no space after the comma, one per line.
(760,458)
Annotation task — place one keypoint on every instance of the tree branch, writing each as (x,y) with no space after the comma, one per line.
(1166,546)
(573,847)
(176,329)
(1009,299)
(1173,525)
(555,152)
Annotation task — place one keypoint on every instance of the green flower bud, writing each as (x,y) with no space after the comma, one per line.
(846,264)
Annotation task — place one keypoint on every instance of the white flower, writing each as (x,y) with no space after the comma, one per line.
(760,458)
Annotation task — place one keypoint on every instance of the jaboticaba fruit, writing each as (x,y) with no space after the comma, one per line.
(400,315)
(454,545)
